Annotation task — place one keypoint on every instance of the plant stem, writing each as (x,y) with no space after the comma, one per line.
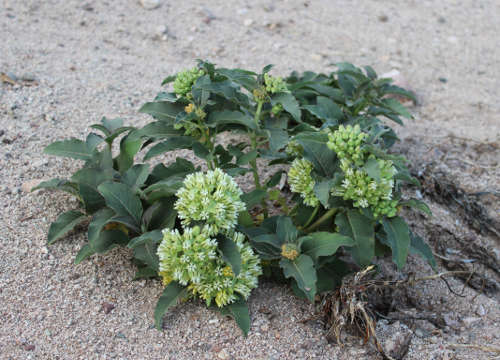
(311,218)
(321,220)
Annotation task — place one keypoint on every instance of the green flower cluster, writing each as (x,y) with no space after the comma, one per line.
(274,84)
(190,122)
(293,148)
(300,180)
(346,142)
(193,260)
(185,80)
(365,192)
(213,198)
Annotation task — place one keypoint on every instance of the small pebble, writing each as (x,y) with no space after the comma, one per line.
(150,4)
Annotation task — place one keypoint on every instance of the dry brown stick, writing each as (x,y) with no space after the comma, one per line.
(478,347)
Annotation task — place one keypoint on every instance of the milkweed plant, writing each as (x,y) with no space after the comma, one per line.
(335,208)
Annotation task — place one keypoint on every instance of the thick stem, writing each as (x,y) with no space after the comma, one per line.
(321,220)
(311,218)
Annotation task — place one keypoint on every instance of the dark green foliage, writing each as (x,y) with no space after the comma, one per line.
(127,203)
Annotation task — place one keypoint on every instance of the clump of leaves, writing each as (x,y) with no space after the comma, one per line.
(332,129)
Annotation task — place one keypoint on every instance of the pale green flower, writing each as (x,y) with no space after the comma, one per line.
(185,80)
(274,84)
(192,259)
(346,142)
(213,198)
(300,180)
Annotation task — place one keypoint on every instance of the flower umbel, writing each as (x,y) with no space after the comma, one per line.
(274,84)
(193,260)
(212,197)
(185,80)
(346,142)
(300,180)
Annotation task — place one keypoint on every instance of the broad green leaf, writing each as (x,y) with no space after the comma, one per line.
(112,124)
(230,117)
(59,184)
(92,141)
(230,253)
(117,133)
(146,252)
(286,230)
(253,197)
(323,244)
(245,219)
(303,271)
(290,104)
(128,148)
(162,110)
(99,220)
(316,151)
(64,224)
(160,215)
(172,293)
(396,90)
(122,200)
(372,168)
(326,110)
(247,157)
(145,272)
(73,148)
(270,239)
(226,89)
(322,191)
(398,237)
(136,176)
(201,150)
(278,139)
(417,204)
(275,179)
(370,72)
(420,247)
(397,107)
(158,130)
(85,251)
(181,167)
(92,177)
(164,188)
(127,221)
(155,236)
(330,275)
(168,79)
(360,229)
(238,310)
(243,77)
(174,143)
(108,239)
(91,198)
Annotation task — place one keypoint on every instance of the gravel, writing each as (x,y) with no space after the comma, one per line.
(75,62)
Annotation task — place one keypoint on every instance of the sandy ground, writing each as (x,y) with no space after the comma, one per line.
(97,58)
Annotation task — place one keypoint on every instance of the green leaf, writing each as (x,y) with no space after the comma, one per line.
(168,298)
(238,310)
(253,197)
(99,220)
(109,239)
(59,184)
(160,215)
(316,151)
(201,150)
(92,141)
(372,168)
(64,224)
(398,237)
(73,148)
(278,139)
(162,110)
(122,200)
(396,90)
(136,176)
(145,272)
(396,106)
(290,104)
(112,124)
(158,130)
(174,143)
(247,157)
(358,227)
(326,110)
(243,77)
(128,148)
(286,230)
(417,204)
(91,198)
(85,251)
(230,117)
(164,188)
(302,270)
(230,253)
(275,179)
(323,244)
(146,253)
(420,247)
(322,191)
(154,236)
